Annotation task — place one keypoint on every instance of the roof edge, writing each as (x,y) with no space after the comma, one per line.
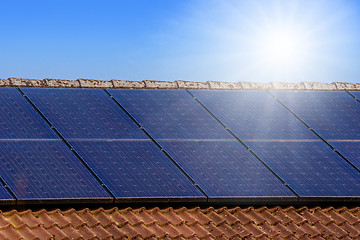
(177,84)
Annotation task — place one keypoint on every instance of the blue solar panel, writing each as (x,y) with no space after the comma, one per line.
(225,169)
(350,150)
(42,170)
(333,115)
(19,120)
(356,94)
(312,169)
(253,115)
(135,169)
(84,114)
(170,114)
(5,195)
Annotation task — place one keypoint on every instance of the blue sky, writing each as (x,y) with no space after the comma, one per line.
(195,40)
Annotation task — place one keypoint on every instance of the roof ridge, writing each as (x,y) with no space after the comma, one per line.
(177,84)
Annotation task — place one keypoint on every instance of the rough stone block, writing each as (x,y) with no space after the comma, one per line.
(287,86)
(128,84)
(255,85)
(192,85)
(347,86)
(319,86)
(23,82)
(224,85)
(92,83)
(160,84)
(60,83)
(4,83)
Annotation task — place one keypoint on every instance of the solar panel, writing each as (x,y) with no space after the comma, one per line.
(5,195)
(19,120)
(170,114)
(310,168)
(253,114)
(84,113)
(350,150)
(135,169)
(225,169)
(356,94)
(333,115)
(46,170)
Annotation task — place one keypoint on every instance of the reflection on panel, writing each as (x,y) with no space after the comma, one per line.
(135,169)
(253,114)
(310,168)
(333,115)
(170,114)
(225,169)
(84,113)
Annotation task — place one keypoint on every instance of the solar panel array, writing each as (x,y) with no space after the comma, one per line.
(121,145)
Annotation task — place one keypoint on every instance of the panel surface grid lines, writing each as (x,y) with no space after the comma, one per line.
(84,113)
(312,169)
(332,114)
(350,150)
(170,114)
(356,94)
(4,194)
(225,169)
(44,170)
(253,115)
(135,169)
(19,120)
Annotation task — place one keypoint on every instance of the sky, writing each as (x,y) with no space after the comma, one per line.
(194,40)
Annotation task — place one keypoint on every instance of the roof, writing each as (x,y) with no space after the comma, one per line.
(205,222)
(183,223)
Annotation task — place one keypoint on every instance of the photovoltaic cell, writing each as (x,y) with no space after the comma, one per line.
(332,114)
(4,194)
(312,169)
(19,120)
(356,94)
(350,150)
(225,169)
(253,114)
(135,169)
(170,114)
(43,170)
(84,113)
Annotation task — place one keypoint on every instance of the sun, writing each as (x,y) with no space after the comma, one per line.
(281,48)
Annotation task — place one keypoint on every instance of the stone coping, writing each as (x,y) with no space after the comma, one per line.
(178,84)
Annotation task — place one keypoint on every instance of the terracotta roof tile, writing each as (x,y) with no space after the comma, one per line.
(352,215)
(73,218)
(57,232)
(183,223)
(4,222)
(352,230)
(71,232)
(9,233)
(266,214)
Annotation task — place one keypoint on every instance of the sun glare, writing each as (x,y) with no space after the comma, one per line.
(281,48)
